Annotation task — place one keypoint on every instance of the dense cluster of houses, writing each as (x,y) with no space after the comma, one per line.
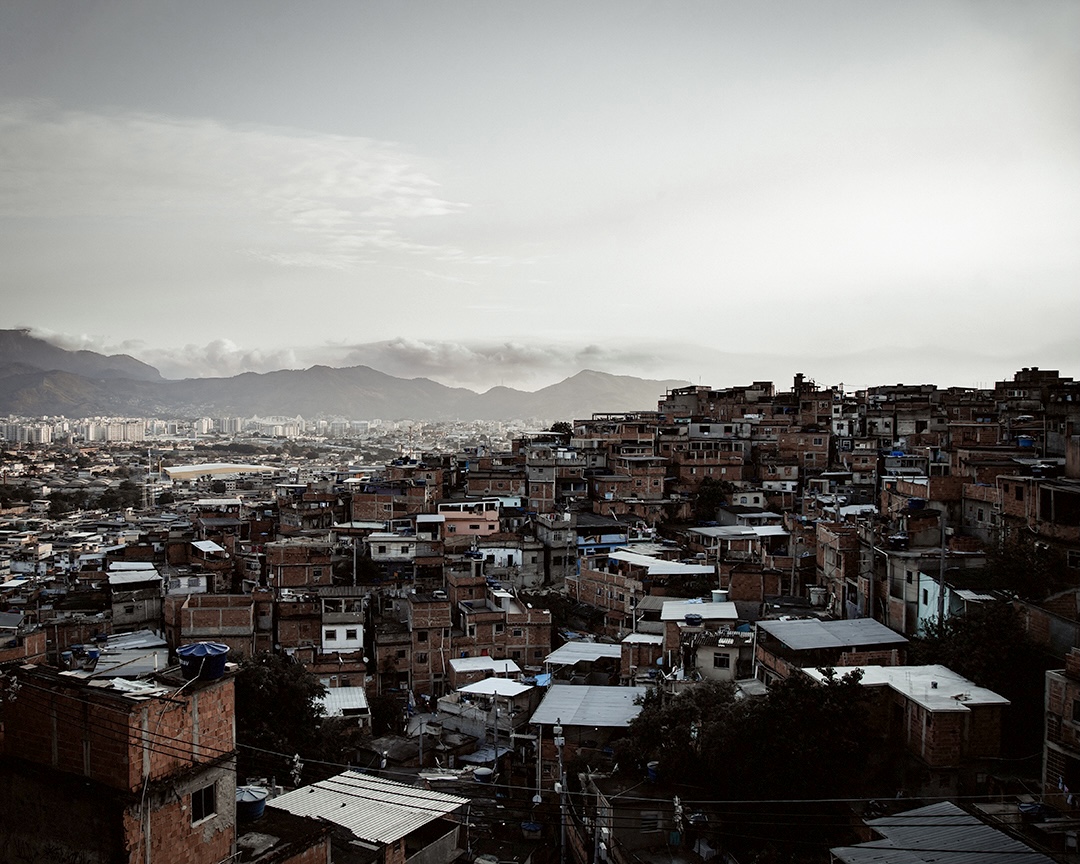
(517,604)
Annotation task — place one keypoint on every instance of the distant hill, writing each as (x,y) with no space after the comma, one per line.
(81,383)
(19,347)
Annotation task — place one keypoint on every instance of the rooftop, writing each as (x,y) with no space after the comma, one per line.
(372,808)
(573,705)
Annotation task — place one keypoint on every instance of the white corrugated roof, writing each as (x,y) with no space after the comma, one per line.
(130,565)
(337,700)
(133,577)
(575,652)
(658,566)
(589,706)
(484,664)
(496,687)
(677,610)
(372,808)
(967,594)
(207,546)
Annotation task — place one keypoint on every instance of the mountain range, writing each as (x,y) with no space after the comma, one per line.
(39,378)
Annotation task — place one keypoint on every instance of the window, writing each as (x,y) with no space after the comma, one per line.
(193,582)
(515,655)
(316,572)
(203,803)
(129,610)
(721,661)
(517,631)
(818,442)
(382,550)
(650,821)
(499,627)
(474,527)
(401,653)
(330,635)
(421,635)
(1019,493)
(470,629)
(350,634)
(925,597)
(1072,558)
(421,657)
(909,577)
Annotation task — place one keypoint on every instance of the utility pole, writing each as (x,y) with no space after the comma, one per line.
(560,787)
(941,576)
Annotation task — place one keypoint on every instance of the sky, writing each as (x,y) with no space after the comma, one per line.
(501,193)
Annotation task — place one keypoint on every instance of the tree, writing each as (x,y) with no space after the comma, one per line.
(1024,569)
(711,494)
(562,428)
(806,738)
(990,646)
(277,710)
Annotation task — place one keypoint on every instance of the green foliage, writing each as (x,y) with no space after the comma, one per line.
(12,494)
(1020,567)
(277,710)
(68,502)
(711,494)
(803,738)
(561,428)
(387,715)
(990,646)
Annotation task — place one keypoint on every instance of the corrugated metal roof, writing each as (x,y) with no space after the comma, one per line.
(484,664)
(658,566)
(372,808)
(207,546)
(134,577)
(941,833)
(589,706)
(337,700)
(807,634)
(575,652)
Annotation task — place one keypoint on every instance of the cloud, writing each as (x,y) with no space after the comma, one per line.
(299,199)
(480,365)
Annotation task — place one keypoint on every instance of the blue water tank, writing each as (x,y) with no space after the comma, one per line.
(250,802)
(1025,441)
(205,660)
(693,620)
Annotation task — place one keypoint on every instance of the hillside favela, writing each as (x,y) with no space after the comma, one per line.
(777,621)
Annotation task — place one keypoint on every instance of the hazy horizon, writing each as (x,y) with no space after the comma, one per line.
(486,193)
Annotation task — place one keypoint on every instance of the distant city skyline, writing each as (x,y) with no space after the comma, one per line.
(485,193)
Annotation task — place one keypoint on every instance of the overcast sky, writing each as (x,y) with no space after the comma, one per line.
(507,192)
